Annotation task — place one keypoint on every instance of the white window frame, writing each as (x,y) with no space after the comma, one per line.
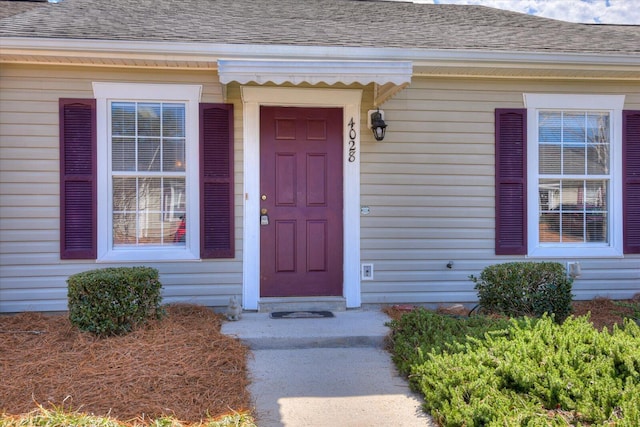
(105,93)
(613,104)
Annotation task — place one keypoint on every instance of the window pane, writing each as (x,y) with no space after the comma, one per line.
(596,194)
(571,211)
(125,195)
(150,228)
(148,154)
(149,119)
(149,194)
(123,118)
(573,129)
(175,210)
(598,128)
(572,194)
(149,198)
(549,201)
(572,226)
(548,194)
(173,155)
(174,198)
(549,159)
(596,207)
(573,160)
(549,126)
(598,144)
(173,118)
(123,154)
(597,227)
(598,159)
(124,229)
(124,208)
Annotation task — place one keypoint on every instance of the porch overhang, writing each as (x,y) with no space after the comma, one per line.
(388,77)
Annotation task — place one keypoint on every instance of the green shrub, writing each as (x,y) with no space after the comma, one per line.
(538,374)
(525,289)
(421,332)
(112,301)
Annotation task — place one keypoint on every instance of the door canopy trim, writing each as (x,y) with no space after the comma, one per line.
(389,77)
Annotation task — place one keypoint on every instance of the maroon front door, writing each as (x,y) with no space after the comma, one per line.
(301,202)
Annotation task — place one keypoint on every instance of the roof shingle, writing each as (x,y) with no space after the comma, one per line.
(346,23)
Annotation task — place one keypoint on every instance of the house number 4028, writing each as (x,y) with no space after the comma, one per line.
(352,141)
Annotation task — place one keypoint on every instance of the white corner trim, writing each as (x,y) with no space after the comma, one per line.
(349,100)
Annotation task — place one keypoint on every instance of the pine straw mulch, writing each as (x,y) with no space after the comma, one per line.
(181,366)
(605,312)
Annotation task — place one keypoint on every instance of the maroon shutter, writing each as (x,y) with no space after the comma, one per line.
(511,181)
(216,181)
(77,178)
(631,181)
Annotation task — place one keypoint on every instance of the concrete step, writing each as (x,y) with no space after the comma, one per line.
(351,328)
(269,305)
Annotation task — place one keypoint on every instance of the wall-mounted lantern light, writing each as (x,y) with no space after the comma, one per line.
(377,124)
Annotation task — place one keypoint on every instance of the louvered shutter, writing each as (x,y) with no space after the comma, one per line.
(77,178)
(511,173)
(631,181)
(216,181)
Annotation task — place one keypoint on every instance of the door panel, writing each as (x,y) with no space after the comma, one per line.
(316,180)
(317,245)
(286,181)
(286,242)
(301,189)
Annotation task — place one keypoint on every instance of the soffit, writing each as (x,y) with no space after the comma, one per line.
(389,77)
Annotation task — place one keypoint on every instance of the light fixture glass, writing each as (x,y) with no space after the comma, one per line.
(378,126)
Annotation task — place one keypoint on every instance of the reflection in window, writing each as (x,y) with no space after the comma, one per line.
(574,176)
(148,173)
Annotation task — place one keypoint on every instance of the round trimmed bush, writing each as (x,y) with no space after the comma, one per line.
(113,301)
(525,289)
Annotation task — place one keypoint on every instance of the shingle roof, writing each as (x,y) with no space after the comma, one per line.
(10,8)
(345,23)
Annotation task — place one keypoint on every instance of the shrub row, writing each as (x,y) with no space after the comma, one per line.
(534,372)
(423,332)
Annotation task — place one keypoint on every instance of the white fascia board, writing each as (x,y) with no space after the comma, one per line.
(330,72)
(198,51)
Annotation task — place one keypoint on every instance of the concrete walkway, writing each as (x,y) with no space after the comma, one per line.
(325,372)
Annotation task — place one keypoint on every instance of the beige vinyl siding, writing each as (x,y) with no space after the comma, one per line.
(32,276)
(430,189)
(429,186)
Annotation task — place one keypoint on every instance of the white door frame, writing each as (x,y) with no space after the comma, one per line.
(349,100)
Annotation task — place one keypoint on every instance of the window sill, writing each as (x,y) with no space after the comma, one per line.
(148,255)
(575,252)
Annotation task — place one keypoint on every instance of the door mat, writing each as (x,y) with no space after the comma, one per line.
(300,314)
